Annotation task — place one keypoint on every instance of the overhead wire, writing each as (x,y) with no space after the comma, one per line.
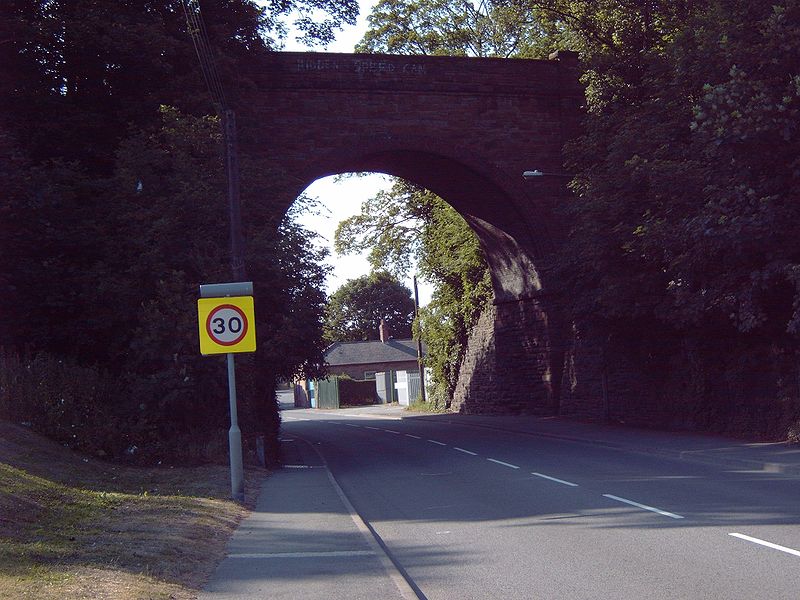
(202,46)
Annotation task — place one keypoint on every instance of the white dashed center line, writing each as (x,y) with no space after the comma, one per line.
(464,451)
(505,464)
(555,479)
(437,443)
(765,543)
(643,506)
(416,437)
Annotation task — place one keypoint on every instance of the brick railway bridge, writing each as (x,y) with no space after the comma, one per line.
(466,129)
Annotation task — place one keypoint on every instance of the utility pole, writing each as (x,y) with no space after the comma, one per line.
(420,360)
(196,29)
(234,204)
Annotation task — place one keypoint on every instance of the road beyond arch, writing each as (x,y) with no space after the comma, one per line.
(465,128)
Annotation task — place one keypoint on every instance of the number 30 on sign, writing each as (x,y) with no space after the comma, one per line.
(226,325)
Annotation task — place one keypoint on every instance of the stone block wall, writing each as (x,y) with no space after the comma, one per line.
(508,363)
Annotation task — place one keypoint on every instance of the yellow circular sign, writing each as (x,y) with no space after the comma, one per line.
(226,325)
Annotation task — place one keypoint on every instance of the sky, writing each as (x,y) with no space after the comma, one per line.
(343,198)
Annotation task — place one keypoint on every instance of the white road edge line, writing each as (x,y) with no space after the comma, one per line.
(643,506)
(505,464)
(438,443)
(555,479)
(397,577)
(741,536)
(465,451)
(351,425)
(373,428)
(332,553)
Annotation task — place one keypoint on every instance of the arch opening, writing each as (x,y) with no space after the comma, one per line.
(506,236)
(507,244)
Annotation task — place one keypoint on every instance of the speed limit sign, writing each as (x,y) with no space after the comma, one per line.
(226,325)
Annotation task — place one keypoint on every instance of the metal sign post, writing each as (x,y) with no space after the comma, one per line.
(226,324)
(235,438)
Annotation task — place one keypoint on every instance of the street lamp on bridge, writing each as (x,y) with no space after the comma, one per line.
(536,173)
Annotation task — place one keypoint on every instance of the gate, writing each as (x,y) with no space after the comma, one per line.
(328,393)
(414,387)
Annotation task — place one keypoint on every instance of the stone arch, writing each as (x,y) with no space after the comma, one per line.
(464,128)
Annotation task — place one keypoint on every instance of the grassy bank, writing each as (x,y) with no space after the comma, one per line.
(76,527)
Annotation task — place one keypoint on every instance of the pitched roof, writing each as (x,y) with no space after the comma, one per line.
(365,353)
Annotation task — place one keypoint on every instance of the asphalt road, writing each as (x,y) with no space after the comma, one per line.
(468,512)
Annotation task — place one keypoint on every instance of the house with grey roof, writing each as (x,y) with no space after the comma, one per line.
(391,363)
(361,360)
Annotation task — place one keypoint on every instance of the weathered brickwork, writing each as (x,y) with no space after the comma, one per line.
(465,128)
(511,348)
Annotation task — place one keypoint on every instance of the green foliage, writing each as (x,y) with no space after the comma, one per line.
(63,400)
(115,207)
(115,284)
(453,260)
(356,309)
(293,271)
(388,227)
(453,28)
(409,225)
(102,66)
(686,176)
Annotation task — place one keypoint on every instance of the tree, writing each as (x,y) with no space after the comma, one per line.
(453,28)
(112,212)
(682,241)
(116,284)
(410,226)
(356,309)
(686,170)
(179,243)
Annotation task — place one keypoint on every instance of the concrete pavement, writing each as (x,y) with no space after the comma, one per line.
(304,541)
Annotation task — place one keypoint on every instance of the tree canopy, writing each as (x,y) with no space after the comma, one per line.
(409,227)
(356,309)
(687,170)
(453,28)
(114,211)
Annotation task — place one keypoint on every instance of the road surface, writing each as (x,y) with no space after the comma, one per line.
(471,512)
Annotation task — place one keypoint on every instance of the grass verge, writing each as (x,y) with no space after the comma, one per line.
(76,527)
(426,407)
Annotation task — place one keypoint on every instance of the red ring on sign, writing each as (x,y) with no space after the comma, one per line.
(244,325)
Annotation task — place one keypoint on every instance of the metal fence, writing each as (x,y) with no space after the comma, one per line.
(414,388)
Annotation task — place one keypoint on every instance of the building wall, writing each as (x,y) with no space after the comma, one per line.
(357,371)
